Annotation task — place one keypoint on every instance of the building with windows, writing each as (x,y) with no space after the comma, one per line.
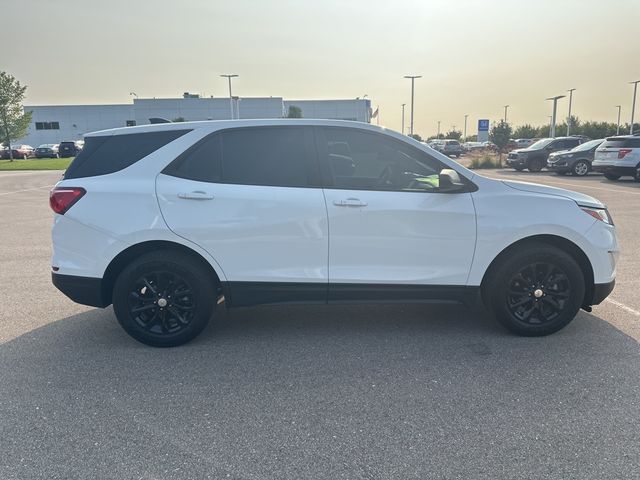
(57,123)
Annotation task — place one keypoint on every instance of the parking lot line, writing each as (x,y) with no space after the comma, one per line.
(26,190)
(623,306)
(573,185)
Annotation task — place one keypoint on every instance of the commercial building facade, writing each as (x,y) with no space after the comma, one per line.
(56,123)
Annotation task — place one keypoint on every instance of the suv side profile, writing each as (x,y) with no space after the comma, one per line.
(618,156)
(535,156)
(576,161)
(167,221)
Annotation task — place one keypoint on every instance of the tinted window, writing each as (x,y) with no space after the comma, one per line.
(265,156)
(202,162)
(632,143)
(614,142)
(376,162)
(109,154)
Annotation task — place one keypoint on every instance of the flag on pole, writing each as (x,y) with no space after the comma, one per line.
(375,114)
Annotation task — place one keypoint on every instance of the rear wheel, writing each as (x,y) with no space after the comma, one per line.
(164,298)
(535,165)
(611,176)
(535,290)
(636,176)
(580,168)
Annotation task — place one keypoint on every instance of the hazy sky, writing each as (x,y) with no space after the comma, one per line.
(474,56)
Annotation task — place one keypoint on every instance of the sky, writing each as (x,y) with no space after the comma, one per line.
(474,56)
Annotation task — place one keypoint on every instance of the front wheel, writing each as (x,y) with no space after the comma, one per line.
(580,168)
(164,298)
(535,290)
(535,165)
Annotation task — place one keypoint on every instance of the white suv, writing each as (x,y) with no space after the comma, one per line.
(617,157)
(167,221)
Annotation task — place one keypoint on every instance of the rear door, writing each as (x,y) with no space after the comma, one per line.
(251,198)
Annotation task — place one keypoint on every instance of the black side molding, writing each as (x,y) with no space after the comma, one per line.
(83,290)
(601,291)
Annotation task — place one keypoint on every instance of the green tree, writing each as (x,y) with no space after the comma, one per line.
(294,112)
(500,134)
(415,136)
(454,135)
(14,121)
(525,131)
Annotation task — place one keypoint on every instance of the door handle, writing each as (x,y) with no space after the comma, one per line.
(350,202)
(197,195)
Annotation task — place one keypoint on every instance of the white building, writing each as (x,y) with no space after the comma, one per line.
(56,123)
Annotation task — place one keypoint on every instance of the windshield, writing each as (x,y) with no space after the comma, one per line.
(587,146)
(540,144)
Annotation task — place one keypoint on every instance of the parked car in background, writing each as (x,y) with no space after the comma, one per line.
(69,149)
(576,161)
(471,146)
(47,150)
(534,157)
(19,151)
(524,142)
(163,233)
(618,156)
(451,148)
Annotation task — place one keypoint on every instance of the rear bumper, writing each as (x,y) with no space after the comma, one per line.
(601,291)
(83,290)
(614,170)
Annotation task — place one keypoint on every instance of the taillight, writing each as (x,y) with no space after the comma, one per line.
(62,199)
(623,151)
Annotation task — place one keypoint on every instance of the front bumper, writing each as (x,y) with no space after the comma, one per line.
(83,290)
(516,162)
(614,170)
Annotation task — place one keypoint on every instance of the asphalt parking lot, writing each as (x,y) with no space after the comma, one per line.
(357,392)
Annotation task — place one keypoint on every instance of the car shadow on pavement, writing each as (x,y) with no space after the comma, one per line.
(384,391)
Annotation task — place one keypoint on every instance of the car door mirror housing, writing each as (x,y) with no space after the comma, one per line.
(449,181)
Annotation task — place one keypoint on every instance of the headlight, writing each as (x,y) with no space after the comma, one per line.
(601,214)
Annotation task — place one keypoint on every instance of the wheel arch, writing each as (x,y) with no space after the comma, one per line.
(559,242)
(120,261)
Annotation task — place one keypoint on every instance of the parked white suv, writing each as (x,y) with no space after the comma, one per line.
(617,157)
(167,221)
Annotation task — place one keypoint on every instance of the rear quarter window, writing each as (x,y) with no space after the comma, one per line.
(110,154)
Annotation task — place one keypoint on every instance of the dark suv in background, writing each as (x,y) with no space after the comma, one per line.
(69,149)
(534,157)
(576,161)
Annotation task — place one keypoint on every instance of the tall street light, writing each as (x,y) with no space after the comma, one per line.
(412,77)
(438,130)
(633,104)
(569,117)
(403,117)
(465,128)
(505,112)
(229,77)
(552,132)
(619,107)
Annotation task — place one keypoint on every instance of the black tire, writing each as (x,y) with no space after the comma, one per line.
(612,176)
(155,323)
(520,301)
(535,165)
(636,176)
(580,169)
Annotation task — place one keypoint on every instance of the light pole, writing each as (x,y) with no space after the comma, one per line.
(438,137)
(505,113)
(552,129)
(465,128)
(619,107)
(569,117)
(403,117)
(412,77)
(633,104)
(229,77)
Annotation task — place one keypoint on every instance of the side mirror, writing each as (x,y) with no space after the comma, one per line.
(449,181)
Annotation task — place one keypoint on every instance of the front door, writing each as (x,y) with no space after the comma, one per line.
(389,224)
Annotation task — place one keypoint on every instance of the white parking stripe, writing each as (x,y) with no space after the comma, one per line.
(26,190)
(623,307)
